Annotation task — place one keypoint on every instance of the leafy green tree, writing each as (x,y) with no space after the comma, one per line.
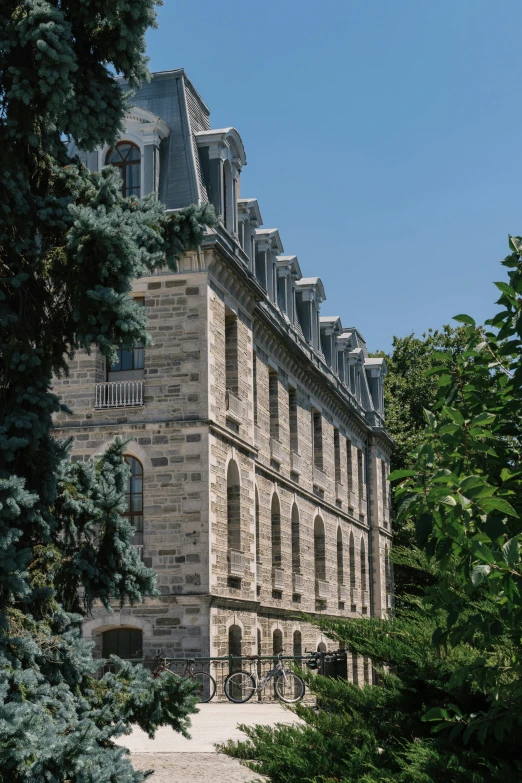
(448,706)
(464,494)
(70,247)
(409,390)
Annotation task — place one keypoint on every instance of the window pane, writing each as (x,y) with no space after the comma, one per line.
(137,504)
(124,150)
(116,367)
(138,358)
(137,522)
(134,154)
(136,484)
(133,176)
(126,359)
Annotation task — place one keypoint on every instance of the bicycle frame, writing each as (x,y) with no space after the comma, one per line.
(269,676)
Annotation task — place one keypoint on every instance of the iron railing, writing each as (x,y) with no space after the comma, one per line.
(221,667)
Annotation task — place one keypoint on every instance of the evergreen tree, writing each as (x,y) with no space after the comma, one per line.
(70,247)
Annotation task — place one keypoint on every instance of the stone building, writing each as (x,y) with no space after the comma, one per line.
(257,443)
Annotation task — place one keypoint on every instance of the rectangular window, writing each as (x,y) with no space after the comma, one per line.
(129,359)
(231,354)
(349,468)
(292,410)
(273,401)
(254,382)
(317,439)
(337,456)
(360,476)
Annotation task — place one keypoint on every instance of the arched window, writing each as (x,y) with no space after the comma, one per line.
(353,576)
(364,573)
(127,159)
(366,670)
(340,555)
(298,646)
(319,550)
(277,642)
(276,532)
(134,498)
(296,544)
(233,507)
(258,541)
(123,642)
(321,647)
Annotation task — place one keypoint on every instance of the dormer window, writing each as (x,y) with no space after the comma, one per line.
(127,159)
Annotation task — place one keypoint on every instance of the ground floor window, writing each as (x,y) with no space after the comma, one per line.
(123,642)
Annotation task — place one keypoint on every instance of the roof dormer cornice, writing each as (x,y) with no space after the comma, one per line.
(220,141)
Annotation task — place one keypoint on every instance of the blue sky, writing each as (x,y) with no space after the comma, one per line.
(382,138)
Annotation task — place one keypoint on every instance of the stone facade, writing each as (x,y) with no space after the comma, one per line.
(258,425)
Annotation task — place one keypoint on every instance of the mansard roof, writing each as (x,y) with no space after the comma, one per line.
(272,236)
(333,321)
(315,283)
(293,263)
(252,205)
(229,136)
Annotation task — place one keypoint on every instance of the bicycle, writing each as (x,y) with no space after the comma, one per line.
(240,686)
(206,683)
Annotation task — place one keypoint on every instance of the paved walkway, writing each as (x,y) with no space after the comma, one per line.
(177,760)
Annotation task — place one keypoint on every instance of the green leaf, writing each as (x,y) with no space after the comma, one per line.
(398,474)
(435,713)
(480,574)
(506,289)
(448,500)
(498,504)
(464,319)
(445,380)
(454,414)
(510,552)
(483,552)
(515,244)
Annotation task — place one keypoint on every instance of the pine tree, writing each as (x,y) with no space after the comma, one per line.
(70,247)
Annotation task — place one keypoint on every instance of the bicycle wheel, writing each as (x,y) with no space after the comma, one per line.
(289,687)
(206,685)
(239,687)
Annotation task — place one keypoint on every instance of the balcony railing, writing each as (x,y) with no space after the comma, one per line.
(343,593)
(355,596)
(118,394)
(366,598)
(322,589)
(276,451)
(295,462)
(298,583)
(278,578)
(319,477)
(234,407)
(236,562)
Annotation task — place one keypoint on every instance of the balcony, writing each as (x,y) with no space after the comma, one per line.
(118,394)
(366,598)
(236,562)
(298,584)
(295,462)
(276,450)
(354,596)
(322,589)
(234,407)
(343,593)
(278,578)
